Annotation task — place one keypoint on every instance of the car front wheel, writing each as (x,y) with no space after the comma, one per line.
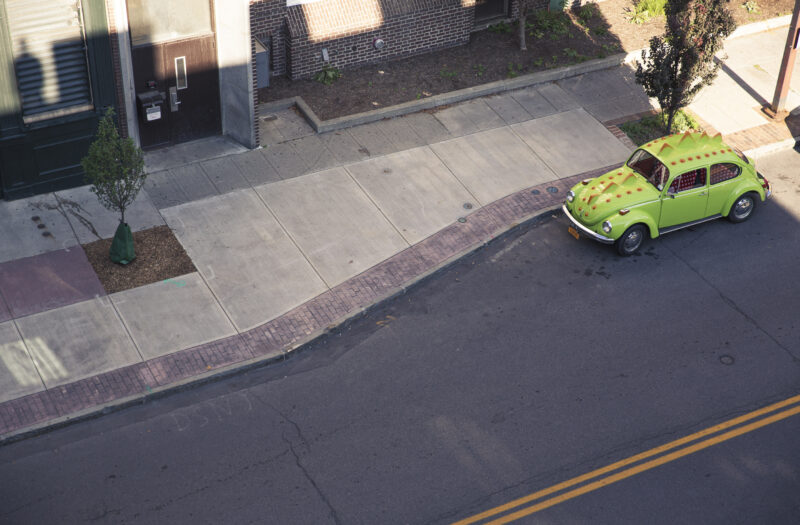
(742,208)
(631,240)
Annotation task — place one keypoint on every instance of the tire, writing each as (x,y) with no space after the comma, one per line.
(743,208)
(631,240)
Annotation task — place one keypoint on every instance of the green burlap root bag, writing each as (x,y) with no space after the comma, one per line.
(122,245)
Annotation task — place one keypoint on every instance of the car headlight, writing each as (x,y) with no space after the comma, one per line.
(606,226)
(570,196)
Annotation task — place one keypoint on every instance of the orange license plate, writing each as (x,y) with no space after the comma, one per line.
(573,232)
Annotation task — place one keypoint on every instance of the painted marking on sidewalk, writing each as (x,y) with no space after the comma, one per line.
(604,481)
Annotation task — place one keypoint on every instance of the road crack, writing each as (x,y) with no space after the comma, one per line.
(298,462)
(733,305)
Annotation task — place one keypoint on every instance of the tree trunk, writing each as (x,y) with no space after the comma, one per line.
(523,17)
(670,118)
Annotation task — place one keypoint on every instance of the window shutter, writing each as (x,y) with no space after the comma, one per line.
(49,50)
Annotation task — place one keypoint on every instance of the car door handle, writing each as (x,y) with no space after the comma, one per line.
(701,194)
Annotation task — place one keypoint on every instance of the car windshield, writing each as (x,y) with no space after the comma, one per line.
(649,167)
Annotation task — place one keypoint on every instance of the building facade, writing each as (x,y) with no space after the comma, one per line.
(180,70)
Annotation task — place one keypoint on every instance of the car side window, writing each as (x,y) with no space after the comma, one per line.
(689,180)
(723,172)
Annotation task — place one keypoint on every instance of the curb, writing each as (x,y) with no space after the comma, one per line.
(760,27)
(264,361)
(775,147)
(490,88)
(452,97)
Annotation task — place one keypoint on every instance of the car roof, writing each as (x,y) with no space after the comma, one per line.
(690,150)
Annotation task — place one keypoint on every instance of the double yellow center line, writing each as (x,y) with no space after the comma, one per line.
(608,475)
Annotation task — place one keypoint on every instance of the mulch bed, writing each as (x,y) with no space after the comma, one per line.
(159,256)
(490,56)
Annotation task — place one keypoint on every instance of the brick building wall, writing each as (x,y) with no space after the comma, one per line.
(349,28)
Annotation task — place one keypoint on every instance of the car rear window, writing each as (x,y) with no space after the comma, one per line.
(723,172)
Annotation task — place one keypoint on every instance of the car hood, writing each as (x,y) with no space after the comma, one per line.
(609,193)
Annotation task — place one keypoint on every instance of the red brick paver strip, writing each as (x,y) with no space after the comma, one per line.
(275,338)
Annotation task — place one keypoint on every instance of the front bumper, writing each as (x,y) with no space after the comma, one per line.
(584,230)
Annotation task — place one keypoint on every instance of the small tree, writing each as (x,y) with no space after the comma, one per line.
(115,168)
(522,28)
(679,65)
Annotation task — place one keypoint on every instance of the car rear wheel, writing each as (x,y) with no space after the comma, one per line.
(742,208)
(631,240)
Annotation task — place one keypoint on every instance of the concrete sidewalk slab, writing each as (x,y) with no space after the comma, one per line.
(427,126)
(557,97)
(18,376)
(415,191)
(224,174)
(195,151)
(571,142)
(315,153)
(288,163)
(255,168)
(92,221)
(244,255)
(535,104)
(333,222)
(163,190)
(193,181)
(344,147)
(282,125)
(608,94)
(172,315)
(713,105)
(400,133)
(372,139)
(32,226)
(469,117)
(493,164)
(5,312)
(77,341)
(507,108)
(50,280)
(746,82)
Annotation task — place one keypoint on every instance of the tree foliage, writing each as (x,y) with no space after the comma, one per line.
(677,66)
(114,166)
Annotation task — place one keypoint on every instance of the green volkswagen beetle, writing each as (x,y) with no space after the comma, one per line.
(671,183)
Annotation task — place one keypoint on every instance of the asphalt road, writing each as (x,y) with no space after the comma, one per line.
(533,361)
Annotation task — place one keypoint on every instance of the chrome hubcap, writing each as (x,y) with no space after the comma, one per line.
(632,241)
(743,207)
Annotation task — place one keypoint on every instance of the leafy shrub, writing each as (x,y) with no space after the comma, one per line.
(648,128)
(328,75)
(500,28)
(751,6)
(647,9)
(553,23)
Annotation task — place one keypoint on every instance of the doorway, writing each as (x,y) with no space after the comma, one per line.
(175,70)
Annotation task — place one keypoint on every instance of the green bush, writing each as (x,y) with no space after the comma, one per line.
(328,75)
(553,23)
(648,128)
(647,9)
(500,28)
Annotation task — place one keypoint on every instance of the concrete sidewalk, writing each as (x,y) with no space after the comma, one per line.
(292,238)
